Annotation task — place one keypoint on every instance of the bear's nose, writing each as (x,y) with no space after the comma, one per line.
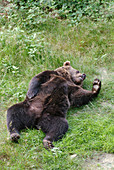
(84,76)
(77,72)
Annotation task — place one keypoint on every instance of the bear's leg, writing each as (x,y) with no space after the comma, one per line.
(79,96)
(13,129)
(13,125)
(15,121)
(54,127)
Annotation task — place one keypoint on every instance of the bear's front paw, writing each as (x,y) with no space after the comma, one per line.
(96,86)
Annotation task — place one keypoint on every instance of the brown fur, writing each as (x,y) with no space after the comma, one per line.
(50,95)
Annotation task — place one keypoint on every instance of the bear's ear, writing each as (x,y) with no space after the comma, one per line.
(67,63)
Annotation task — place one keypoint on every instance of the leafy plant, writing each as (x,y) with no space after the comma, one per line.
(32,13)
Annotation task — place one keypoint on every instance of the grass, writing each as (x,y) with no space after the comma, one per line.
(23,54)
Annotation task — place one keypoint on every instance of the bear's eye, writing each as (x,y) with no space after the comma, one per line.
(77,72)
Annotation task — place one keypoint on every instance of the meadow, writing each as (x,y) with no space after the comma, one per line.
(24,52)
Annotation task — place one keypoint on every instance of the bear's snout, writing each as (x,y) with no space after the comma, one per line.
(83,76)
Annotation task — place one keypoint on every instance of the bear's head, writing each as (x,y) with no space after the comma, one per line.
(69,73)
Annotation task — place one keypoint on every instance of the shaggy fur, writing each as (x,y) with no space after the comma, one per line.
(50,95)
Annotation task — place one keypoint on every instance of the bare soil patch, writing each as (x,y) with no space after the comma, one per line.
(100,162)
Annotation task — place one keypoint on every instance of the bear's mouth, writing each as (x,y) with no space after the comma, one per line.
(82,77)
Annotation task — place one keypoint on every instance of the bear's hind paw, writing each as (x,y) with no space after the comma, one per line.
(47,144)
(15,137)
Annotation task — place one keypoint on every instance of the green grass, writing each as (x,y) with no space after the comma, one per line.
(22,55)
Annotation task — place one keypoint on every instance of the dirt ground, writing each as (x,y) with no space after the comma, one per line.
(100,162)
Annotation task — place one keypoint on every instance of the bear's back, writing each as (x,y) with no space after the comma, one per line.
(53,95)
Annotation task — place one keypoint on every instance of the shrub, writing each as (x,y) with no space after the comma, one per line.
(34,12)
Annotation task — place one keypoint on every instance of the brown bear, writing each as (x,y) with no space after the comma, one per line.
(50,95)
